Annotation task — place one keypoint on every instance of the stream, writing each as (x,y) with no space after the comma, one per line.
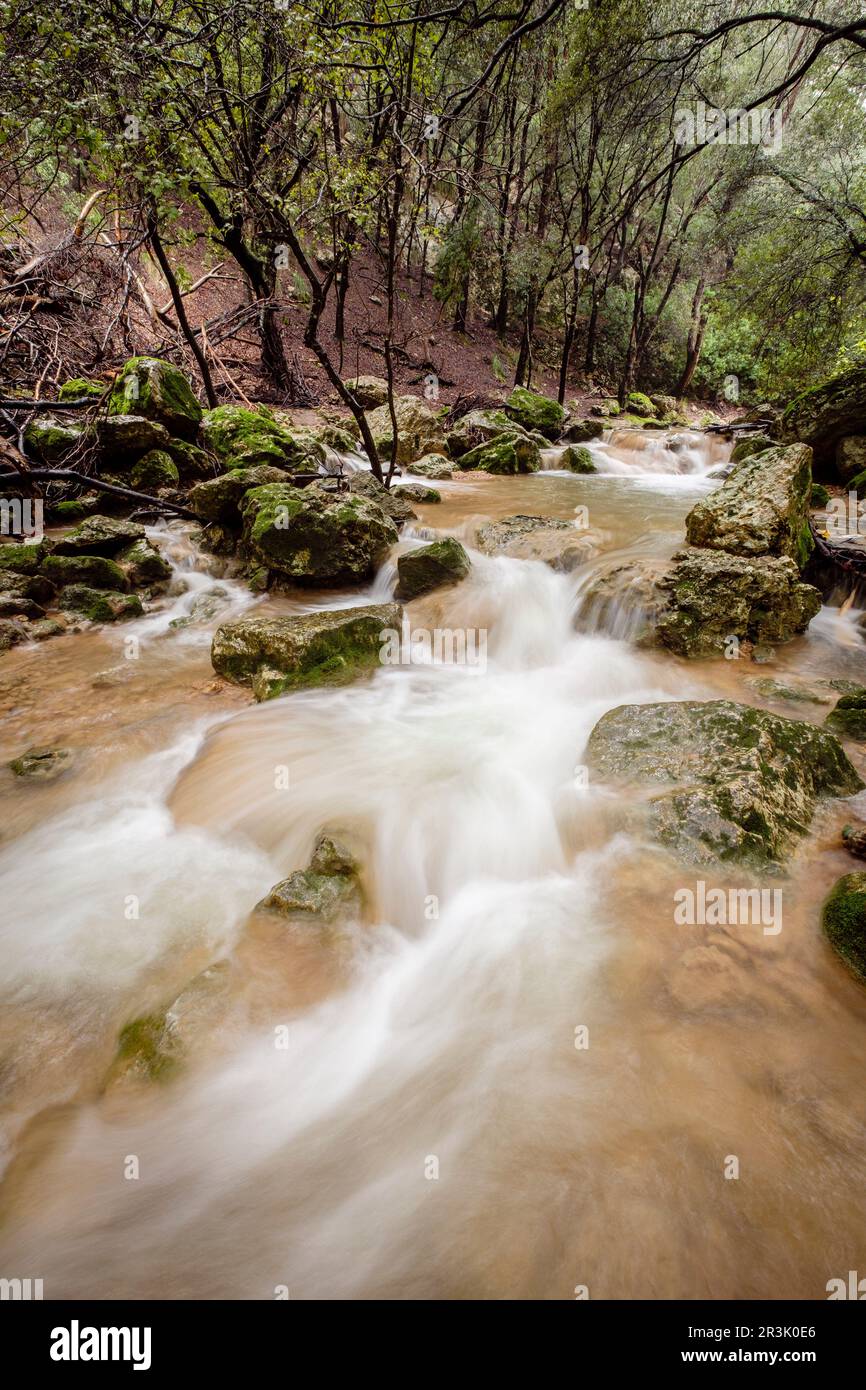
(402,1109)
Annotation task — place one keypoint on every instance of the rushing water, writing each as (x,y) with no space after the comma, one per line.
(431,1129)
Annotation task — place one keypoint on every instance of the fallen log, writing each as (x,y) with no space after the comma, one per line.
(63,475)
(15,403)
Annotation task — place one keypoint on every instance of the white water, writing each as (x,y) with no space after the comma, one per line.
(431,1130)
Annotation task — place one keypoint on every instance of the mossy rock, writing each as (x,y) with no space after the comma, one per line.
(579,431)
(21,559)
(124,438)
(858,484)
(274,655)
(327,891)
(848,718)
(96,570)
(393,503)
(641,405)
(74,509)
(419,431)
(506,454)
(143,564)
(42,764)
(219,499)
(156,389)
(751,444)
(49,440)
(154,470)
(578,459)
(436,467)
(80,388)
(761,509)
(608,408)
(192,462)
(417,492)
(431,567)
(369,391)
(100,605)
(733,783)
(310,536)
(253,438)
(146,1048)
(535,412)
(100,535)
(844,921)
(819,496)
(824,415)
(337,437)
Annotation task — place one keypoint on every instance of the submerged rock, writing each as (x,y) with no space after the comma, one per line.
(741,783)
(157,390)
(100,535)
(535,412)
(761,509)
(844,921)
(42,764)
(311,536)
(709,596)
(279,654)
(848,719)
(430,567)
(556,543)
(329,890)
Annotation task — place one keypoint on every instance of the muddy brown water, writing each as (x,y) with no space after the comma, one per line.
(517,1075)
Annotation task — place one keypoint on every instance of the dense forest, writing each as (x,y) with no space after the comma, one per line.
(432,623)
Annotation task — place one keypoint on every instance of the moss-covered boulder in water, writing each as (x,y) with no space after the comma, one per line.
(848,718)
(507,453)
(708,596)
(844,921)
(479,427)
(328,891)
(751,444)
(761,509)
(154,470)
(49,441)
(577,459)
(156,389)
(416,492)
(825,414)
(250,438)
(581,431)
(219,499)
(419,431)
(535,412)
(143,564)
(282,653)
(96,570)
(21,559)
(391,500)
(639,404)
(310,536)
(735,783)
(99,605)
(42,764)
(99,535)
(431,567)
(436,467)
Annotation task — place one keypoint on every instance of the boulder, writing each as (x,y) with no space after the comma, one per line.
(369,391)
(639,404)
(191,461)
(124,438)
(328,890)
(507,453)
(154,470)
(143,564)
(159,391)
(42,764)
(49,440)
(21,559)
(282,653)
(100,605)
(580,431)
(608,408)
(750,444)
(81,388)
(666,407)
(479,427)
(99,535)
(251,438)
(819,496)
(434,466)
(535,412)
(709,596)
(430,567)
(761,509)
(219,499)
(577,459)
(419,431)
(34,587)
(558,544)
(96,570)
(734,783)
(310,536)
(416,492)
(844,921)
(827,413)
(392,502)
(854,840)
(850,457)
(848,717)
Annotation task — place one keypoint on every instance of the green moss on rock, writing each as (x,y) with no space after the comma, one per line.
(431,567)
(96,570)
(535,412)
(157,390)
(100,605)
(844,921)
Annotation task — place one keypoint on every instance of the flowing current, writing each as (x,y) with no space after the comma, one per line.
(516,1076)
